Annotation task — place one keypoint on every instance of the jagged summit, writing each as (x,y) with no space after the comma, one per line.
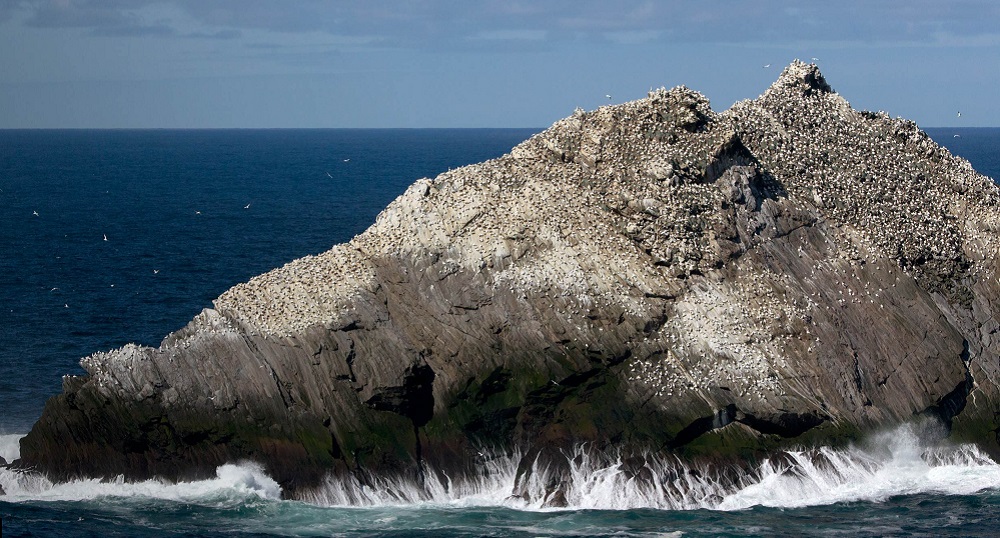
(899,192)
(801,77)
(648,276)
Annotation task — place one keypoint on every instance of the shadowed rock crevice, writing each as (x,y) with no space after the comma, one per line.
(413,399)
(951,405)
(720,419)
(788,425)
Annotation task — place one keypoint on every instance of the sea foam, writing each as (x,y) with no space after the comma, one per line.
(896,463)
(10,446)
(233,483)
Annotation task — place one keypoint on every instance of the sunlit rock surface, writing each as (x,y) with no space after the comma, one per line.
(646,278)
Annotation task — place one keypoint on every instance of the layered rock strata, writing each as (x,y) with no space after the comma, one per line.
(648,278)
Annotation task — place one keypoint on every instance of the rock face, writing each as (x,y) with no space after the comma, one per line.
(648,278)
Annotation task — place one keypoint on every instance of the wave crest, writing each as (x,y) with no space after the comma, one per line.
(234,483)
(10,446)
(896,463)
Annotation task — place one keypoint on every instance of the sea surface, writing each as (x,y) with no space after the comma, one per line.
(116,236)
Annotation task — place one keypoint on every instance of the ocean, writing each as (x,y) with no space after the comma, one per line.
(116,236)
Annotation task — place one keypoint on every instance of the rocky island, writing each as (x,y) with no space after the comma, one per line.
(651,279)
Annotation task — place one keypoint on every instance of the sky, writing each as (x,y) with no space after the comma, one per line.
(467,63)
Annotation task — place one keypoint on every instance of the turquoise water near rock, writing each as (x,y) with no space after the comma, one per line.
(117,236)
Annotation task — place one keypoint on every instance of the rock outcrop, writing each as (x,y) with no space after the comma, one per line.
(647,278)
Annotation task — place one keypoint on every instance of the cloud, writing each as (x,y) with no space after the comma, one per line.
(100,17)
(218,34)
(510,35)
(633,38)
(76,14)
(9,7)
(453,24)
(135,30)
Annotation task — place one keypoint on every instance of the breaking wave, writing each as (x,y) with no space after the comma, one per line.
(896,463)
(10,446)
(233,483)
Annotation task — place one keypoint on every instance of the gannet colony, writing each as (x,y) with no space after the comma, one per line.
(649,280)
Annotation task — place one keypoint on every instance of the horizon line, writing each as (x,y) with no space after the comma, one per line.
(342,128)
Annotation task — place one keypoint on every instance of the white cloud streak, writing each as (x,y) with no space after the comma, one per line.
(440,24)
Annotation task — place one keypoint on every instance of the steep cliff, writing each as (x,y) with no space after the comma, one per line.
(647,278)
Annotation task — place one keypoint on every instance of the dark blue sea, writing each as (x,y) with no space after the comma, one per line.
(116,236)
